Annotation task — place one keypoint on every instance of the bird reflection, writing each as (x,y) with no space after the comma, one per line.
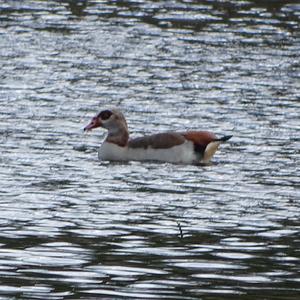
(77,7)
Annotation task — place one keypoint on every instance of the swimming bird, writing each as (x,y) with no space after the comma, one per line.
(190,147)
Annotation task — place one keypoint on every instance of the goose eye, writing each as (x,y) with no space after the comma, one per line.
(105,114)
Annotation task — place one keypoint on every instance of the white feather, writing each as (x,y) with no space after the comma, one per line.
(183,153)
(210,150)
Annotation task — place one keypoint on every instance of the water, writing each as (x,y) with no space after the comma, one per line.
(76,228)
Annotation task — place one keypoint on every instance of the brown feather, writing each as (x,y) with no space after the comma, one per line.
(157,141)
(200,139)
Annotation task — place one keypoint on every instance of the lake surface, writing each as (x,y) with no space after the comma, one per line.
(72,227)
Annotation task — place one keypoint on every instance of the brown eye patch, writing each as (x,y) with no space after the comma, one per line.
(105,114)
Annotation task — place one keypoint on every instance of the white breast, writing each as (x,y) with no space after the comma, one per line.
(178,154)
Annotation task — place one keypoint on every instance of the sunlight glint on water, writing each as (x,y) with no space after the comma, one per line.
(73,227)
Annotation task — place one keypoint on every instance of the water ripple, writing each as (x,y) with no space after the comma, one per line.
(74,227)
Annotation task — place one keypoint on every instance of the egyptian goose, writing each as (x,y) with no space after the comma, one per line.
(175,147)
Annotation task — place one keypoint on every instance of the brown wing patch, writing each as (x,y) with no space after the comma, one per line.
(200,139)
(158,141)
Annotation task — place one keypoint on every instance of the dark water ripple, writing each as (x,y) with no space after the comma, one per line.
(75,228)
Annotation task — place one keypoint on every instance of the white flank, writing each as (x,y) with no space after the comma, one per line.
(178,154)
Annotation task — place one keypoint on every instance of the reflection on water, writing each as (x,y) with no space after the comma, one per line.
(73,227)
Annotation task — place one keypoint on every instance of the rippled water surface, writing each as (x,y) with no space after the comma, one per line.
(72,227)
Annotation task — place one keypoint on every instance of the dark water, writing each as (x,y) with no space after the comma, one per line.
(75,228)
